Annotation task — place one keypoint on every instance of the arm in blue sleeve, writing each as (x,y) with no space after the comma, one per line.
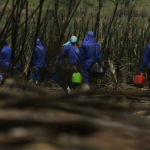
(99,54)
(146,58)
(61,55)
(81,55)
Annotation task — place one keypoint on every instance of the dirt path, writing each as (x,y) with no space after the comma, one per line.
(38,118)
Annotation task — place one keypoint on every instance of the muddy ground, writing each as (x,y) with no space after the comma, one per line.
(39,118)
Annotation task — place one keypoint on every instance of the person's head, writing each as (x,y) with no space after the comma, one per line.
(89,37)
(3,42)
(73,40)
(90,34)
(37,41)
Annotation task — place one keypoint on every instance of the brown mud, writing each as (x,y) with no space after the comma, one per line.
(39,118)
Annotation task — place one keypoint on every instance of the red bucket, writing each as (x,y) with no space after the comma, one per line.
(139,80)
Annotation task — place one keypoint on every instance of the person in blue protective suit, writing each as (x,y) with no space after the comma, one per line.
(39,61)
(5,59)
(65,82)
(87,55)
(5,56)
(146,61)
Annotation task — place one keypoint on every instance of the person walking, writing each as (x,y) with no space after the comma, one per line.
(146,62)
(39,61)
(5,56)
(65,81)
(87,56)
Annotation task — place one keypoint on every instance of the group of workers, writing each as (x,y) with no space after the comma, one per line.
(81,59)
(38,61)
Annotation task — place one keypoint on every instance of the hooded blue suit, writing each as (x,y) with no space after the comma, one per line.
(146,61)
(5,58)
(39,60)
(64,82)
(146,58)
(87,55)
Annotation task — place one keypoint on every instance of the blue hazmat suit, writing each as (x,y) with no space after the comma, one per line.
(74,58)
(146,61)
(74,54)
(87,55)
(39,60)
(146,58)
(5,58)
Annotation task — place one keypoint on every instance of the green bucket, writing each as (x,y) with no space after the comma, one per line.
(77,78)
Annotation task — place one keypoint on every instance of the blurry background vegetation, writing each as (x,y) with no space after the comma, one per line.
(142,6)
